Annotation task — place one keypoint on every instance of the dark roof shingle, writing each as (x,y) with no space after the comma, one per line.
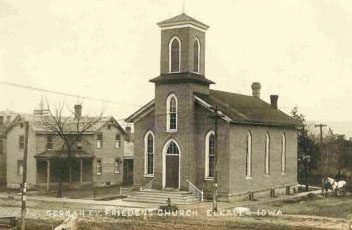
(243,108)
(182,19)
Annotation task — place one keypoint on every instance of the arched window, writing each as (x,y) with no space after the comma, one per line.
(210,155)
(171,118)
(283,153)
(175,55)
(149,154)
(267,154)
(196,56)
(249,155)
(172,149)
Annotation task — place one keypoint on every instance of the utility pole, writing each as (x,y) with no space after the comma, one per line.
(321,145)
(216,116)
(24,178)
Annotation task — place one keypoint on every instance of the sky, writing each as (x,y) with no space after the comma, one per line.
(110,49)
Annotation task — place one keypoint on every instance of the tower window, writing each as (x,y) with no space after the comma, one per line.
(174,55)
(171,120)
(196,56)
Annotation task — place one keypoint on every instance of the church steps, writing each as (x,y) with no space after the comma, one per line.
(161,197)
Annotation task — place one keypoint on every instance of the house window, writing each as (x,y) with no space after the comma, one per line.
(79,142)
(249,155)
(171,119)
(99,140)
(210,155)
(174,55)
(149,154)
(21,142)
(267,154)
(283,153)
(117,141)
(20,167)
(99,167)
(196,55)
(49,142)
(117,166)
(1,147)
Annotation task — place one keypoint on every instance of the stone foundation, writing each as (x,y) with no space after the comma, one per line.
(263,193)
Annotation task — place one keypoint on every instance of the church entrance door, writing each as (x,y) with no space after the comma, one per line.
(171,169)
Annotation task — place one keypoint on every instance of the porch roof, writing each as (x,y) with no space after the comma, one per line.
(58,154)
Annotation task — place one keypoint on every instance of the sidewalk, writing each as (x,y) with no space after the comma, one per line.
(114,203)
(119,203)
(208,205)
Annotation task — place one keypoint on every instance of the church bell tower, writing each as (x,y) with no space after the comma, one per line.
(182,56)
(182,70)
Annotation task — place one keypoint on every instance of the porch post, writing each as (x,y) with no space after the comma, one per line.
(81,174)
(47,175)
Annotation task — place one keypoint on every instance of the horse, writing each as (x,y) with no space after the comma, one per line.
(330,183)
(325,185)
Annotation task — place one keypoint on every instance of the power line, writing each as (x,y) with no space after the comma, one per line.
(66,94)
(95,98)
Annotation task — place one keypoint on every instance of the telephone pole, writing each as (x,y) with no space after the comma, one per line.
(321,146)
(24,178)
(216,115)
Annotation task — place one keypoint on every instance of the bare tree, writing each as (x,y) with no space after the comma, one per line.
(70,129)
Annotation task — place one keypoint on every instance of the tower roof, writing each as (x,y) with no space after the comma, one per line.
(182,19)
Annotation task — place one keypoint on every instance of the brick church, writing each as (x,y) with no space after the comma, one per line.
(175,136)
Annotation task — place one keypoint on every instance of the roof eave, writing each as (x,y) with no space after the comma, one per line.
(181,24)
(257,123)
(140,112)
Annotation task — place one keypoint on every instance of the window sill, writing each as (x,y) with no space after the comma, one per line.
(171,130)
(283,173)
(209,178)
(148,175)
(266,175)
(248,177)
(99,174)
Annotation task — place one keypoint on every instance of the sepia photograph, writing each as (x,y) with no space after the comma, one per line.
(183,114)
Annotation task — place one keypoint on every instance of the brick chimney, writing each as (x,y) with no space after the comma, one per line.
(273,101)
(78,111)
(256,89)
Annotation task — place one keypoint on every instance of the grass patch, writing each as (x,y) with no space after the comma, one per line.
(340,207)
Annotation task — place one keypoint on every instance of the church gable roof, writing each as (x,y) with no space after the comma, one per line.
(144,110)
(246,109)
(182,19)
